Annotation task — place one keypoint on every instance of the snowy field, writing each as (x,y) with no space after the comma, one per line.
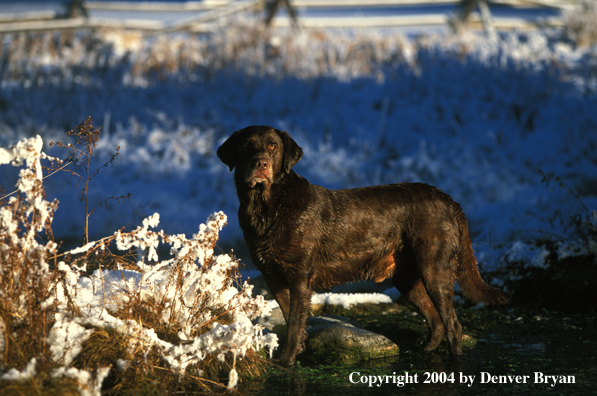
(476,118)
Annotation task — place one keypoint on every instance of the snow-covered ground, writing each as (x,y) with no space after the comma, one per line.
(477,118)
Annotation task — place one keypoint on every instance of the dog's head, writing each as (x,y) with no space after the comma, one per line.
(261,155)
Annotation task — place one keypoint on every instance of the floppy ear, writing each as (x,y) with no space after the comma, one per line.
(292,152)
(227,151)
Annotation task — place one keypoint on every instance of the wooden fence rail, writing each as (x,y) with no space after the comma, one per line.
(201,5)
(209,11)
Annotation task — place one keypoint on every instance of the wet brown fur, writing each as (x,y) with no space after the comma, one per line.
(303,237)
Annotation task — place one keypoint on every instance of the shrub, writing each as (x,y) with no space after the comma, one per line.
(182,323)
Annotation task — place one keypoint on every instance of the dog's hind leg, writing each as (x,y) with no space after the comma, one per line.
(409,284)
(439,284)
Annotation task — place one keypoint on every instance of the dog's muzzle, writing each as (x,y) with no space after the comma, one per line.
(261,172)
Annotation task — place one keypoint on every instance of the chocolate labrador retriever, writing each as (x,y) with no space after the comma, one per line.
(304,237)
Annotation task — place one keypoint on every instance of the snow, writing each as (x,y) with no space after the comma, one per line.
(346,300)
(349,300)
(88,386)
(82,249)
(232,379)
(66,339)
(580,247)
(530,255)
(16,375)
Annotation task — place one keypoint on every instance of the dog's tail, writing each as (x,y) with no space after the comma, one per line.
(469,279)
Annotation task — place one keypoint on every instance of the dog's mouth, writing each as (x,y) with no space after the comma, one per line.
(258,178)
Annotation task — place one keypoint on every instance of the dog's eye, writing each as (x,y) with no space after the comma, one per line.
(272,146)
(247,146)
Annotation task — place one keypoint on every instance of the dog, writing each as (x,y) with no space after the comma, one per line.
(303,237)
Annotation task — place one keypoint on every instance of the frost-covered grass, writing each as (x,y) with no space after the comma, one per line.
(180,323)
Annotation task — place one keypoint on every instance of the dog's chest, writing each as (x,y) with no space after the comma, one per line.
(271,245)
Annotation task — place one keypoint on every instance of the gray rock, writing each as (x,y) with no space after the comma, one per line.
(274,319)
(337,340)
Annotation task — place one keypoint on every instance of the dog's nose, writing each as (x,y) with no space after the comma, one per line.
(261,164)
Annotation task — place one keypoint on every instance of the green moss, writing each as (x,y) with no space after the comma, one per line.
(337,353)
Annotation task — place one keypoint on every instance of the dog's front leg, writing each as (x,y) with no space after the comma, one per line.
(278,286)
(300,302)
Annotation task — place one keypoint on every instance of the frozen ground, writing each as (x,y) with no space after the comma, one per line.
(478,119)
